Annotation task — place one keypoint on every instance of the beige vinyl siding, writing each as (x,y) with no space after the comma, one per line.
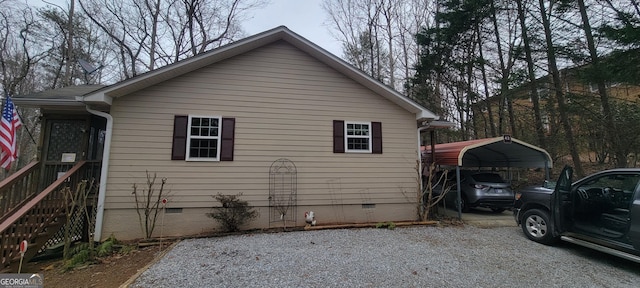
(284,103)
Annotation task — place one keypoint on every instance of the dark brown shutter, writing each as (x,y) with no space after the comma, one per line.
(338,136)
(228,133)
(376,139)
(179,148)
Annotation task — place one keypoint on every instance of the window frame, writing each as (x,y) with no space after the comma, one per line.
(369,137)
(188,156)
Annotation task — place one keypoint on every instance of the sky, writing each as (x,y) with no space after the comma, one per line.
(304,17)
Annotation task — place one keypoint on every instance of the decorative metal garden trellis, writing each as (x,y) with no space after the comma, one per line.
(283,190)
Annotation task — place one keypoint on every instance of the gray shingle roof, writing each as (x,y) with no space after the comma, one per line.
(66,93)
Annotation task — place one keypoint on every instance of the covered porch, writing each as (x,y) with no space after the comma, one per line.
(70,150)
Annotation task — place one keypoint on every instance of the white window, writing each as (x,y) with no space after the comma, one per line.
(203,138)
(357,136)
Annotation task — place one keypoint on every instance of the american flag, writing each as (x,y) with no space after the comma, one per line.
(8,127)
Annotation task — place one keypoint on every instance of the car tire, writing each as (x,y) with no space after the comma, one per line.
(497,210)
(464,204)
(537,226)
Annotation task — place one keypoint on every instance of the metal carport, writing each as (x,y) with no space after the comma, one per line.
(502,152)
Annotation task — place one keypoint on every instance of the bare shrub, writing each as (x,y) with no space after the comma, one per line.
(148,203)
(233,213)
(429,199)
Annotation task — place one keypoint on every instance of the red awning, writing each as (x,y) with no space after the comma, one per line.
(489,152)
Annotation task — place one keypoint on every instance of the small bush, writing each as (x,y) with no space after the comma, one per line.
(84,253)
(389,225)
(106,248)
(233,213)
(77,259)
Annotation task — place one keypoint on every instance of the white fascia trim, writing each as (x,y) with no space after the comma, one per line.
(426,115)
(97,98)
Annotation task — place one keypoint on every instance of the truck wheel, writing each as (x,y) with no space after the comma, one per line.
(537,227)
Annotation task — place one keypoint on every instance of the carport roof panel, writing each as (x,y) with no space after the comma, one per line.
(490,152)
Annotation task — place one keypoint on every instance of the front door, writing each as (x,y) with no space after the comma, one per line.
(66,140)
(65,144)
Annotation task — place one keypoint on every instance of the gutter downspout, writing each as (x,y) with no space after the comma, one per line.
(104,170)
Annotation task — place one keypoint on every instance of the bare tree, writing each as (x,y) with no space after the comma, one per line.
(149,34)
(558,91)
(125,26)
(535,99)
(433,192)
(411,18)
(378,35)
(611,131)
(17,35)
(154,10)
(70,26)
(148,203)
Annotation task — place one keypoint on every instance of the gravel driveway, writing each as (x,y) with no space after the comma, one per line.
(405,257)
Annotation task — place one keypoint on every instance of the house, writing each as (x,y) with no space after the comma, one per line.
(273,116)
(578,93)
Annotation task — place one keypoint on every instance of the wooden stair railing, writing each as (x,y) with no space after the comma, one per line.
(18,188)
(36,220)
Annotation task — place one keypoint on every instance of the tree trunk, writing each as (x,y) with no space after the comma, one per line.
(487,97)
(504,77)
(155,13)
(388,12)
(535,98)
(466,103)
(609,129)
(562,109)
(67,69)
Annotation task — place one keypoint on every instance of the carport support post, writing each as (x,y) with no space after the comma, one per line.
(459,192)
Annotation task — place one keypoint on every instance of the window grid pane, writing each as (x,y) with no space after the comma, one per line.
(358,130)
(203,148)
(205,127)
(358,144)
(204,137)
(358,136)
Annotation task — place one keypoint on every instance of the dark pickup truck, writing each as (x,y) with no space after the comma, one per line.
(600,211)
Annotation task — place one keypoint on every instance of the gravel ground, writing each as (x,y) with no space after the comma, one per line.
(405,257)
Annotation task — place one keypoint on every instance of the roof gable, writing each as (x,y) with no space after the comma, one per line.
(107,94)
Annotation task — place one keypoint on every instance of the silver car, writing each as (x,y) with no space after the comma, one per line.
(480,189)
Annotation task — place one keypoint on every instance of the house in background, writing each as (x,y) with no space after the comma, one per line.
(273,116)
(576,90)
